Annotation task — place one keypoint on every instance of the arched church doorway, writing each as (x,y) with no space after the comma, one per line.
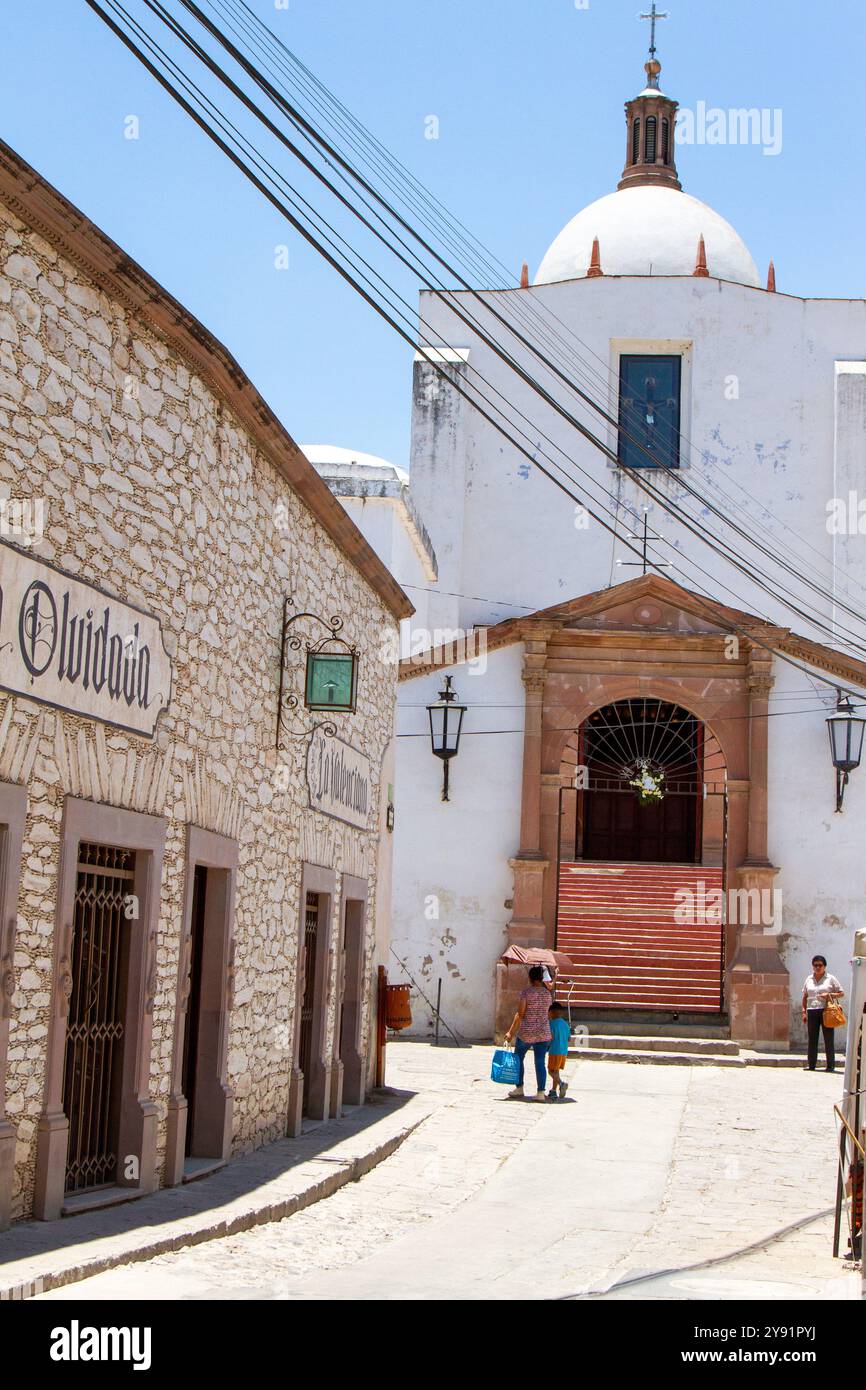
(640,794)
(641,870)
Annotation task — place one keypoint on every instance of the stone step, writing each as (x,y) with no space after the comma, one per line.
(662,1043)
(688,1059)
(620,1028)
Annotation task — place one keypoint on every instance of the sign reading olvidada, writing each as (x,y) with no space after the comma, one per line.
(65,643)
(338,777)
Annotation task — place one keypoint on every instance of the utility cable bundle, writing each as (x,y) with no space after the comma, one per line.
(514,326)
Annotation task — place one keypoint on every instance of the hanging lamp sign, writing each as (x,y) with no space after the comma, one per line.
(65,643)
(339,778)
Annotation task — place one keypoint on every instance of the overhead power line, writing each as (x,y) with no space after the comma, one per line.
(252,27)
(305,129)
(302,225)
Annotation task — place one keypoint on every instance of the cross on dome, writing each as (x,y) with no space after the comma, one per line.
(653,15)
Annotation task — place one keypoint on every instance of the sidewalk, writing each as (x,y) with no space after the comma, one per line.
(263,1186)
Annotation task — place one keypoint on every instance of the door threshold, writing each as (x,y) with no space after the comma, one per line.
(78,1202)
(195,1168)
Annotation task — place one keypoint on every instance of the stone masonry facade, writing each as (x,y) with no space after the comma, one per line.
(155,492)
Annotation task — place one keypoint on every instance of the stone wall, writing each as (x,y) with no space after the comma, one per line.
(153,491)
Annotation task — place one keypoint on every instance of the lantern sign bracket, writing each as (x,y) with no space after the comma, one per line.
(330,645)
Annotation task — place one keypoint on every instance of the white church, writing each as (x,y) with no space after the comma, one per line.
(646,629)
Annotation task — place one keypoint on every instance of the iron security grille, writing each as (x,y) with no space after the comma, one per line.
(625,737)
(94,1038)
(311,931)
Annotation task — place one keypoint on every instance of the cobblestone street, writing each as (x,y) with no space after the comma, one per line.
(642,1169)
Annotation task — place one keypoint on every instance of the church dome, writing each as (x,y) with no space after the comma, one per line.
(647,230)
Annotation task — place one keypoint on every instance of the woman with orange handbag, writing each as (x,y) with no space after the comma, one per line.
(820,1011)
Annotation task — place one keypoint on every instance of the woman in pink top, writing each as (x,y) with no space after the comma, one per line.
(532,1029)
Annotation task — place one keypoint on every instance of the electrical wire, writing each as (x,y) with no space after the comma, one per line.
(279,47)
(305,232)
(160,11)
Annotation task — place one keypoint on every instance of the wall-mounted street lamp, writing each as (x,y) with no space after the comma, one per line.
(845,728)
(446,722)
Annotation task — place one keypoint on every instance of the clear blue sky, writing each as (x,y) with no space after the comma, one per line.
(529,97)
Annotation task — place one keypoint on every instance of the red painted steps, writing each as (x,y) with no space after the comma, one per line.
(618,924)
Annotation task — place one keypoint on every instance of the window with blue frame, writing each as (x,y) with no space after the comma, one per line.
(649,411)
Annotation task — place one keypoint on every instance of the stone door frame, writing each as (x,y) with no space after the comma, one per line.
(13,817)
(570,671)
(316,1088)
(214,1096)
(96,823)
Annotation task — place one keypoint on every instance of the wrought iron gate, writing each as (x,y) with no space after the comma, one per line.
(94,1037)
(311,931)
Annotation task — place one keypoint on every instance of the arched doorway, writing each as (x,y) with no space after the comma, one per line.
(641,858)
(641,802)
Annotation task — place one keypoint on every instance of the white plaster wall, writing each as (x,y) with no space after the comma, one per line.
(774,401)
(822,875)
(506,536)
(381,520)
(451,858)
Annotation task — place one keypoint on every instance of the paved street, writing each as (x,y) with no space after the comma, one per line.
(642,1170)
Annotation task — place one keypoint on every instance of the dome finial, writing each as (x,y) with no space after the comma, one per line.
(651,118)
(653,15)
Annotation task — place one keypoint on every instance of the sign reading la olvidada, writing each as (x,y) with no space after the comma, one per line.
(65,643)
(338,777)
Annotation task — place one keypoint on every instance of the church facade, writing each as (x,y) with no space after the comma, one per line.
(644,778)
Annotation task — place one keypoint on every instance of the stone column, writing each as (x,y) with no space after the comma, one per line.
(526,927)
(759,682)
(759,998)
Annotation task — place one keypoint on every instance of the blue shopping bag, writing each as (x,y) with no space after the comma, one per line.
(505,1067)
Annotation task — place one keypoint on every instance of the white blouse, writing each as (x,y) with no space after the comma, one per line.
(816,994)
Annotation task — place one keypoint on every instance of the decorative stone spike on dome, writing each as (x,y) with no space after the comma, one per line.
(524,276)
(594,269)
(771,278)
(701,258)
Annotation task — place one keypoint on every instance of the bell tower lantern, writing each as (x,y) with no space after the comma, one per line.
(650,119)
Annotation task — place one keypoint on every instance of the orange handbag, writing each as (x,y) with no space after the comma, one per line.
(834,1015)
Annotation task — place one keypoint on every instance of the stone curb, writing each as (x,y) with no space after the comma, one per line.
(49,1269)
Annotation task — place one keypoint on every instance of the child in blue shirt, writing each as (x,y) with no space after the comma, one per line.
(560,1034)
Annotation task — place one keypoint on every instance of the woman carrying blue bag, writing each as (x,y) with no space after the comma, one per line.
(531,1026)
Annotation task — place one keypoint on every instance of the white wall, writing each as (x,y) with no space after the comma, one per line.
(451,874)
(509,534)
(774,401)
(381,522)
(821,856)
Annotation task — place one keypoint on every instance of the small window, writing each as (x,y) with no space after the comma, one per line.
(650,139)
(666,142)
(635,141)
(649,411)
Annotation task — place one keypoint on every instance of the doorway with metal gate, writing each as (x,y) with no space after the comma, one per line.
(641,861)
(95,1032)
(639,789)
(98,1127)
(312,909)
